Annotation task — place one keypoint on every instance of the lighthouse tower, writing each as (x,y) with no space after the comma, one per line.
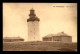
(33,26)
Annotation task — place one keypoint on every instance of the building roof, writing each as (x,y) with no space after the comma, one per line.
(58,34)
(12,38)
(61,34)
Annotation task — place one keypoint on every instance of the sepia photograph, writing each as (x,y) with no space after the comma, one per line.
(40,27)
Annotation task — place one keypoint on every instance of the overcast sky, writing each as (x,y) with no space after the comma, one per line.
(52,19)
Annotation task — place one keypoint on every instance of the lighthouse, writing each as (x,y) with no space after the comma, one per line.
(33,26)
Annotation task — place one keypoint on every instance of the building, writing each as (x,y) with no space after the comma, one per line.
(33,26)
(12,39)
(59,37)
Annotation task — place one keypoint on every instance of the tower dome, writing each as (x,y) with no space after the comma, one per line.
(32,9)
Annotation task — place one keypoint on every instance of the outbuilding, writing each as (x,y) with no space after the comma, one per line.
(12,39)
(59,37)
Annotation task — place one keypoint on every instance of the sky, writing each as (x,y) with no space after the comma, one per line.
(52,19)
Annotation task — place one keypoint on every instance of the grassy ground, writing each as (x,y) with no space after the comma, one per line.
(38,46)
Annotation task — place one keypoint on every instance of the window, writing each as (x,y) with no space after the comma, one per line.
(57,40)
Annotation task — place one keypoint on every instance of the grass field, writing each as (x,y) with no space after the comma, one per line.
(39,46)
